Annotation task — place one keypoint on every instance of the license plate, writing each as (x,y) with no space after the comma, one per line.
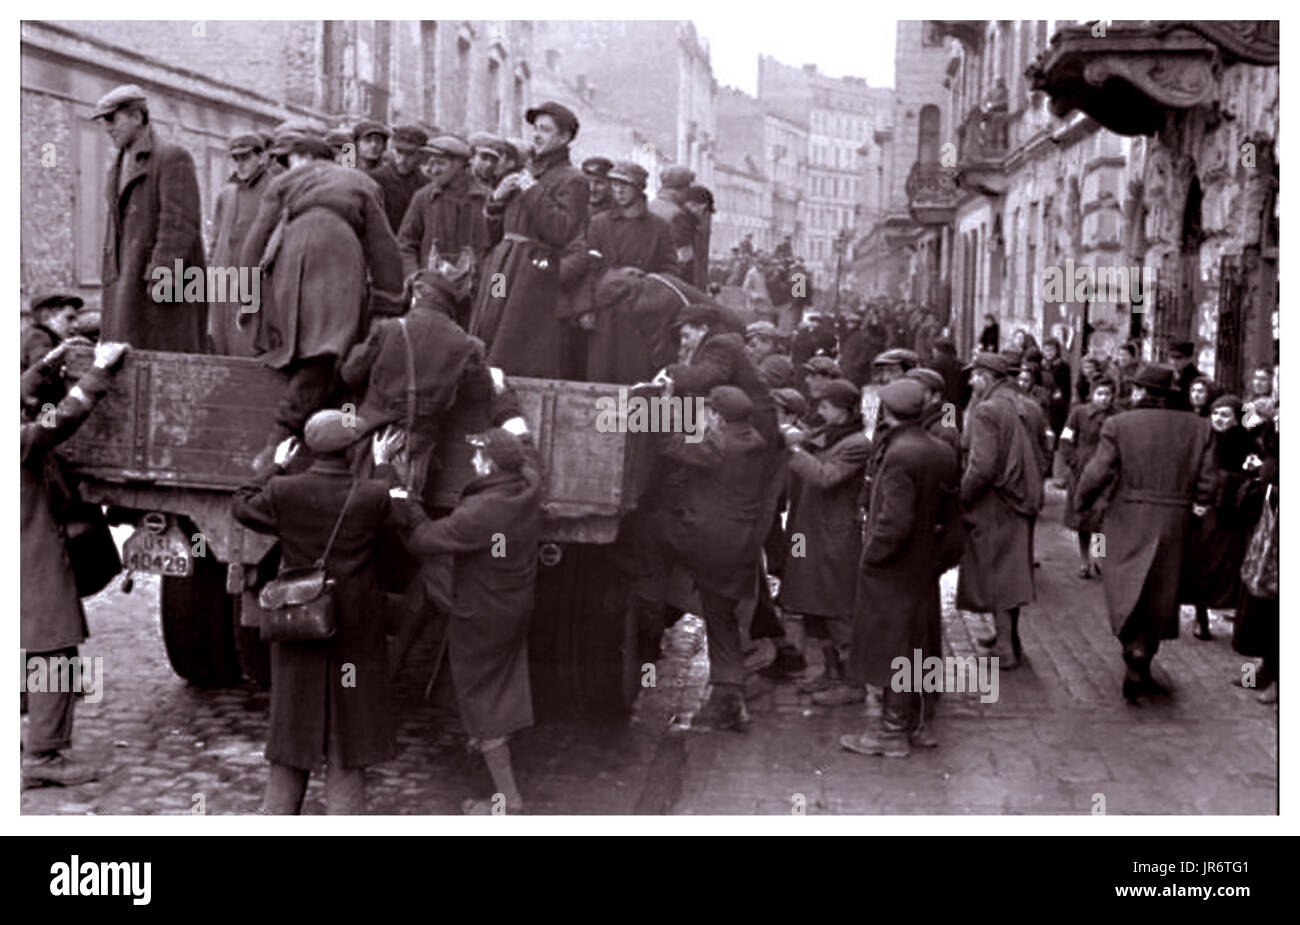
(166,553)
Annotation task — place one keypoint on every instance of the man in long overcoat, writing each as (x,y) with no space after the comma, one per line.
(897,598)
(52,622)
(669,206)
(399,177)
(446,215)
(318,233)
(534,214)
(1162,463)
(236,207)
(493,532)
(329,700)
(154,220)
(997,487)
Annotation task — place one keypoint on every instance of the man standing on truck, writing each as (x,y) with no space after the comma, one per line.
(318,233)
(153,224)
(235,210)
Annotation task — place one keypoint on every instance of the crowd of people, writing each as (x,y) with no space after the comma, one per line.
(852,457)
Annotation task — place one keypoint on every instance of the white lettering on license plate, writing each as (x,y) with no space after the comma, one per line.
(161,553)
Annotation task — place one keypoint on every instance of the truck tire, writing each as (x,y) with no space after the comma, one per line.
(198,625)
(582,646)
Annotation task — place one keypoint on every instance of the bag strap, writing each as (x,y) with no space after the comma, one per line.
(320,563)
(410,400)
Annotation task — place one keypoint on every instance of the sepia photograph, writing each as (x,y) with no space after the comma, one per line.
(743,416)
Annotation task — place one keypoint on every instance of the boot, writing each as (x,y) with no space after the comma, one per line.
(725,709)
(789,663)
(830,675)
(876,740)
(1202,631)
(55,768)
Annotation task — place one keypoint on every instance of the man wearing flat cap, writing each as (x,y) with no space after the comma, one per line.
(897,605)
(939,417)
(371,138)
(626,235)
(154,223)
(1162,465)
(445,222)
(322,243)
(534,215)
(596,170)
(53,320)
(400,176)
(698,202)
(1001,493)
(668,205)
(485,157)
(236,207)
(1181,356)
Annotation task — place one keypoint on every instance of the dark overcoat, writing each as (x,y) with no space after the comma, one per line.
(823,486)
(997,568)
(154,221)
(493,532)
(396,191)
(51,616)
(449,217)
(236,208)
(715,524)
(1161,461)
(1217,543)
(1079,441)
(314,692)
(334,233)
(897,608)
(520,325)
(720,359)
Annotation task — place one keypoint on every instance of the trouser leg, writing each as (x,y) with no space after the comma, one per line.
(285,788)
(901,712)
(345,788)
(496,755)
(726,662)
(310,388)
(49,712)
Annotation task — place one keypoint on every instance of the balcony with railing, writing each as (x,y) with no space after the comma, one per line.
(932,193)
(983,143)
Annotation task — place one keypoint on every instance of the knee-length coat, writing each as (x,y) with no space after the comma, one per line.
(493,532)
(997,568)
(515,313)
(897,607)
(1161,461)
(154,220)
(333,234)
(311,696)
(1079,441)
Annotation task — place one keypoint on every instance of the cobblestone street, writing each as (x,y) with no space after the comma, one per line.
(1058,736)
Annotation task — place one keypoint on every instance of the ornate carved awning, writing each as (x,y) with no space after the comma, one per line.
(983,142)
(1129,74)
(932,193)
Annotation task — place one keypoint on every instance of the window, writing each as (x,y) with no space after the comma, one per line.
(493,115)
(927,138)
(428,69)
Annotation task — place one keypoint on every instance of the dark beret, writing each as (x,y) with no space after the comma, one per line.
(564,118)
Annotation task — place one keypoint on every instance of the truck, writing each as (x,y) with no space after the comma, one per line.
(165,450)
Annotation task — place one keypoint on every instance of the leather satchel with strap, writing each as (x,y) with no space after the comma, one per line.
(299,604)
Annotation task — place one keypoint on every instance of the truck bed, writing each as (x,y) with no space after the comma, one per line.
(193,423)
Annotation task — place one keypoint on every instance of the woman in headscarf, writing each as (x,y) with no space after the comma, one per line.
(1217,541)
(1255,631)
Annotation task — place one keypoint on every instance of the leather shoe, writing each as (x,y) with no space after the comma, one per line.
(1132,685)
(871,742)
(56,768)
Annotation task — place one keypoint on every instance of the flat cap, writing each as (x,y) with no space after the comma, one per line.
(115,99)
(731,403)
(762,329)
(249,141)
(42,300)
(843,393)
(564,118)
(897,356)
(928,377)
(331,431)
(791,400)
(628,172)
(597,166)
(905,398)
(823,366)
(677,177)
(290,130)
(777,371)
(701,194)
(995,363)
(412,136)
(500,446)
(370,127)
(449,146)
(486,140)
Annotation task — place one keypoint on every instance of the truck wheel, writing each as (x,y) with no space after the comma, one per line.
(198,625)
